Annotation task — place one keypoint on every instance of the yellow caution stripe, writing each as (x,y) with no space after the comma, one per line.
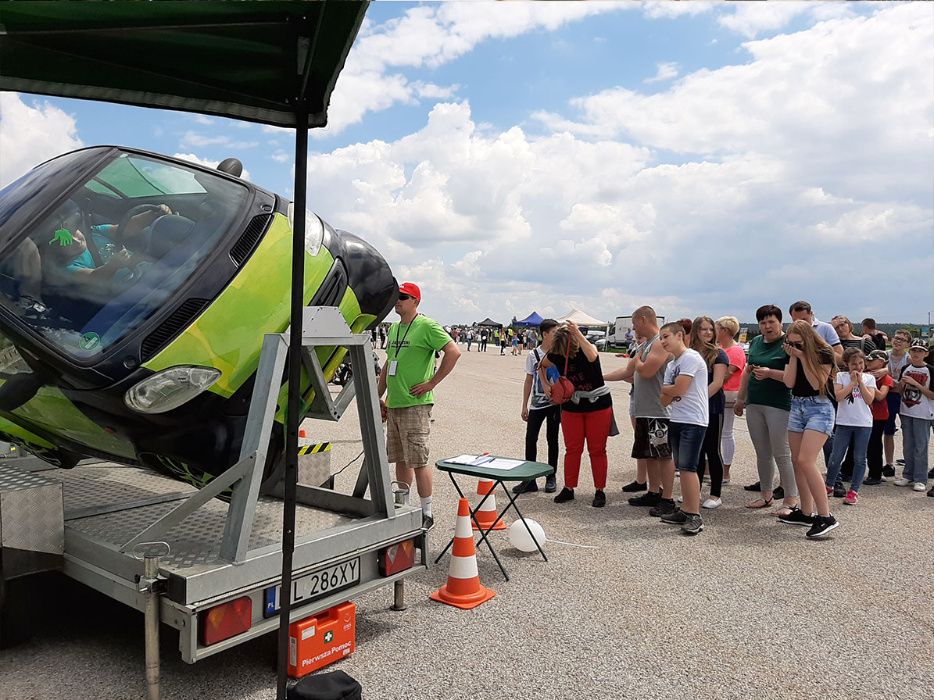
(314,448)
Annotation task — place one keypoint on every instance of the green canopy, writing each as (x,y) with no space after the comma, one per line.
(245,60)
(265,61)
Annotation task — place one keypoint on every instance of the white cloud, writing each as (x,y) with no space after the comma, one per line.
(207,163)
(32,131)
(754,18)
(430,36)
(817,148)
(820,97)
(665,71)
(199,140)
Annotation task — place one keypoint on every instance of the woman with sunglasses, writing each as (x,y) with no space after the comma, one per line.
(810,423)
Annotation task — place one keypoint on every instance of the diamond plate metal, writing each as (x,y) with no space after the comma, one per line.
(109,484)
(196,541)
(31,514)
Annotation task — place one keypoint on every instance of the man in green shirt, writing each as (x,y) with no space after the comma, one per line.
(409,375)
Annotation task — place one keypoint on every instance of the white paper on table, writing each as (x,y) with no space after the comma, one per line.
(462,459)
(504,464)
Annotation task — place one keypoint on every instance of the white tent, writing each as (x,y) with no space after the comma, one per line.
(583,319)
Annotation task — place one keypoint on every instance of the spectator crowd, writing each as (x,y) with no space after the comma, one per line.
(809,391)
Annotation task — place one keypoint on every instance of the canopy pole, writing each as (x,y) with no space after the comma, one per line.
(294,392)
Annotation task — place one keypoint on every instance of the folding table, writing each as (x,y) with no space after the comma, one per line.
(523,472)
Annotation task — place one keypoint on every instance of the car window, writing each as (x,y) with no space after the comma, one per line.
(101,262)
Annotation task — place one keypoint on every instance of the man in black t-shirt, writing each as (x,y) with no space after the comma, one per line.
(870,332)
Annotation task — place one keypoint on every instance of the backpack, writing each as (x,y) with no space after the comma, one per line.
(562,390)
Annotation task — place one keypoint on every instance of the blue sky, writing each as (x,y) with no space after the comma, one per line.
(703,158)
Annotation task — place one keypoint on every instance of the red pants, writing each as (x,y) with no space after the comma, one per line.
(595,428)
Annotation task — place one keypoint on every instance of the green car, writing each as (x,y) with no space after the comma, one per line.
(135,290)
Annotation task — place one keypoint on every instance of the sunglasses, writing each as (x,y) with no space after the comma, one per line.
(796,346)
(405,297)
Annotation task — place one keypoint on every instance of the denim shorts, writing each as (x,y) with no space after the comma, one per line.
(686,441)
(811,413)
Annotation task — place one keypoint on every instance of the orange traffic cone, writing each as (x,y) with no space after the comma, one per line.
(487,513)
(463,589)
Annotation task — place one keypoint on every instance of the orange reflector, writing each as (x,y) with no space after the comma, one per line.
(226,620)
(396,558)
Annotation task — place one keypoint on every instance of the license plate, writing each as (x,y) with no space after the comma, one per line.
(317,585)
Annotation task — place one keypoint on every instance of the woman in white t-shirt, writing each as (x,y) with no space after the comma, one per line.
(684,391)
(855,390)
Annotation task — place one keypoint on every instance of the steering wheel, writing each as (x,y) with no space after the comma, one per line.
(125,219)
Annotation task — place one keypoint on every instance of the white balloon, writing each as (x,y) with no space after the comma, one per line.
(520,539)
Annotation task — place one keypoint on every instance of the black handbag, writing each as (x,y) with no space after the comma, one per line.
(335,685)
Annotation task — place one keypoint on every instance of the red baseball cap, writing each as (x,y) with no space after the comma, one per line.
(411,289)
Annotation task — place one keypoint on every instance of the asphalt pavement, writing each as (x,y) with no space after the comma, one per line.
(628,608)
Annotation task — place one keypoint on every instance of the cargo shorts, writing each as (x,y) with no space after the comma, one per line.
(407,432)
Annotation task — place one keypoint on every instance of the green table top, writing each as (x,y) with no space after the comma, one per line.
(525,471)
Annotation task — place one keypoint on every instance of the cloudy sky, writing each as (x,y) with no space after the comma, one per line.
(510,157)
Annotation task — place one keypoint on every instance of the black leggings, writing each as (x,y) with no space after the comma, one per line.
(534,426)
(710,453)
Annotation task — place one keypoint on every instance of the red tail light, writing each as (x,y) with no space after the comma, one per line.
(226,620)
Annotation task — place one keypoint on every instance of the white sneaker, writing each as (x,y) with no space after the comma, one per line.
(903,482)
(920,486)
(712,503)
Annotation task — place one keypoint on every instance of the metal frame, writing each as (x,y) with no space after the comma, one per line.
(322,326)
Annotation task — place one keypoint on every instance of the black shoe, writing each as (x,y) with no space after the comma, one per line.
(678,517)
(427,522)
(551,484)
(822,527)
(796,517)
(931,492)
(530,486)
(931,474)
(665,507)
(693,525)
(753,487)
(839,490)
(872,481)
(599,499)
(565,495)
(778,493)
(649,499)
(635,486)
(888,470)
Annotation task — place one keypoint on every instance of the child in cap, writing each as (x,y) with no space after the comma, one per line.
(877,360)
(917,414)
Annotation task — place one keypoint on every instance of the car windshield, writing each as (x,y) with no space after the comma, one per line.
(103,260)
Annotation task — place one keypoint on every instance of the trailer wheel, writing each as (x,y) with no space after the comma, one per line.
(15,621)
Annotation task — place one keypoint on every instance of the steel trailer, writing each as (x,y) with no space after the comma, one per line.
(210,568)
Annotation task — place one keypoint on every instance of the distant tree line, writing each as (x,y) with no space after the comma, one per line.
(887,328)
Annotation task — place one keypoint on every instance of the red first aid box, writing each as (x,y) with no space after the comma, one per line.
(322,639)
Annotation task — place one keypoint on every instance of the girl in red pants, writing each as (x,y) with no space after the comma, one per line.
(587,416)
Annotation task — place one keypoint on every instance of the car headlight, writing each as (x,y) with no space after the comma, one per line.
(314,229)
(170,388)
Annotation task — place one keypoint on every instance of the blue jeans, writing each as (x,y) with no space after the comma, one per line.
(916,432)
(843,435)
(686,441)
